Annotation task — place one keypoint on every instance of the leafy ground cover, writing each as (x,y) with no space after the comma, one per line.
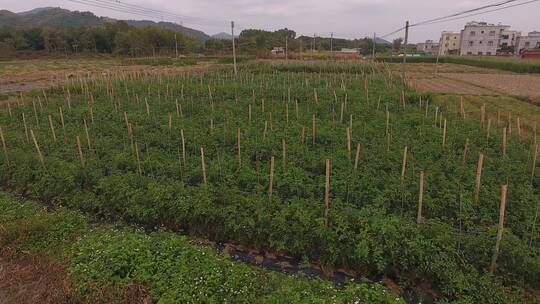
(138,159)
(107,264)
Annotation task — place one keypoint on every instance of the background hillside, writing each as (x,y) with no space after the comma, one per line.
(56,17)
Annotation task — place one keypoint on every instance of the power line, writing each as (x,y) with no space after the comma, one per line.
(456,15)
(466,12)
(139,11)
(476,14)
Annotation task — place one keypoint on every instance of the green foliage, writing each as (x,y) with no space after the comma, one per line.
(172,269)
(372,216)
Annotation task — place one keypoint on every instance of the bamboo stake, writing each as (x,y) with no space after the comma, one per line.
(53,133)
(238,147)
(504,142)
(183,146)
(403,166)
(327,195)
(535,157)
(465,150)
(37,148)
(79,148)
(283,152)
(87,134)
(478,177)
(314,129)
(500,230)
(419,219)
(348,131)
(444,134)
(138,159)
(25,127)
(62,119)
(357,157)
(203,167)
(170,121)
(4,146)
(271,182)
(462,108)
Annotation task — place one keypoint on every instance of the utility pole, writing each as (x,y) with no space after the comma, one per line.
(286,47)
(374,45)
(301,49)
(406,41)
(313,44)
(233,48)
(405,48)
(438,55)
(331,42)
(176,45)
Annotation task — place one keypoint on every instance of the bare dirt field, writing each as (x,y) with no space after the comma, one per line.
(523,86)
(20,76)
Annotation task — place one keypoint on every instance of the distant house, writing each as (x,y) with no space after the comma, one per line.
(450,43)
(429,47)
(277,50)
(350,51)
(531,41)
(484,39)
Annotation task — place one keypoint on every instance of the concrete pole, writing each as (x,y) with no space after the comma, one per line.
(233,48)
(374,45)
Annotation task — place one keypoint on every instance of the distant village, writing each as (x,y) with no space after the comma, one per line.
(484,39)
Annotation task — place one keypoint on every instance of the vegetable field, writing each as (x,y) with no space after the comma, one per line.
(336,164)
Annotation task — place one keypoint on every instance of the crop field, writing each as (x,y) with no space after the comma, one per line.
(337,165)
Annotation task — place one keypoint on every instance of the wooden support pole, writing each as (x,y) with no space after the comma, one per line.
(203,166)
(87,135)
(535,157)
(283,153)
(403,166)
(462,109)
(4,146)
(444,134)
(357,157)
(139,169)
(327,195)
(348,131)
(478,176)
(465,151)
(271,179)
(36,145)
(79,148)
(53,133)
(25,127)
(62,118)
(183,146)
(504,139)
(419,219)
(314,129)
(238,147)
(500,230)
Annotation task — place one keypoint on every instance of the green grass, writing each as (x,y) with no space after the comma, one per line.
(506,64)
(171,268)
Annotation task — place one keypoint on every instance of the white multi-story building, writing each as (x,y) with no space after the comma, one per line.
(429,47)
(481,38)
(450,43)
(531,41)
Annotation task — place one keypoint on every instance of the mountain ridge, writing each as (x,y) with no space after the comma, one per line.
(56,17)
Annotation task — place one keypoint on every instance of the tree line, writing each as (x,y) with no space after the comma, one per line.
(123,39)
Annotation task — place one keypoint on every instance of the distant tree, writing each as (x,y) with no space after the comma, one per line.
(396,44)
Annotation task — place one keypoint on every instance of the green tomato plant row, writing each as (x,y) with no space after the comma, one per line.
(129,148)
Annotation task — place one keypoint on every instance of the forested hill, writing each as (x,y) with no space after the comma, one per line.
(56,17)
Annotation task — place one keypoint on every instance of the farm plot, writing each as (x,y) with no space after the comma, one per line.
(335,164)
(439,84)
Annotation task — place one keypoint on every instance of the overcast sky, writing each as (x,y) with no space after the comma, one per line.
(346,18)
